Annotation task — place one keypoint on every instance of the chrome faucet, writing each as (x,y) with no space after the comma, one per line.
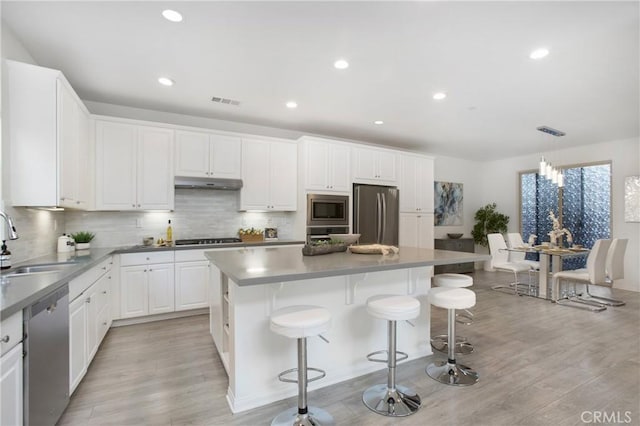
(13,234)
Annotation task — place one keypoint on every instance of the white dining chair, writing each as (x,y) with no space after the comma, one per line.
(500,261)
(593,274)
(514,239)
(614,270)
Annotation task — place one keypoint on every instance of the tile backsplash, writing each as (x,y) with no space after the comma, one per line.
(198,213)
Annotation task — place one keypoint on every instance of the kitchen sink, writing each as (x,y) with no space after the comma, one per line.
(42,268)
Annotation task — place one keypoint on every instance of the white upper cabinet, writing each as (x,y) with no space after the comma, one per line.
(269,175)
(49,139)
(416,184)
(375,166)
(134,167)
(201,154)
(326,166)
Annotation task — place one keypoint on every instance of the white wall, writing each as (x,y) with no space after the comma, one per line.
(447,169)
(500,185)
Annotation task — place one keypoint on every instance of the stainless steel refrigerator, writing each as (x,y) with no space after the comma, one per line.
(376,211)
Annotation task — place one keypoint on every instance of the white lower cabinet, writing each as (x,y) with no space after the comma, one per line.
(416,230)
(11,406)
(192,290)
(11,378)
(89,318)
(146,284)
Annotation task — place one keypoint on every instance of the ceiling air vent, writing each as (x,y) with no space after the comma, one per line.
(225,101)
(551,131)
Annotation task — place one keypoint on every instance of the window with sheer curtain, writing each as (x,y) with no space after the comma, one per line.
(583,206)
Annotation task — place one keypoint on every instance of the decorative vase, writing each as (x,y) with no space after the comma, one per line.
(83,246)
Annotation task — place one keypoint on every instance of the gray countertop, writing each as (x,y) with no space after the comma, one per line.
(17,292)
(278,264)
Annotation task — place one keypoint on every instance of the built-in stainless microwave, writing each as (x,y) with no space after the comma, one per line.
(327,210)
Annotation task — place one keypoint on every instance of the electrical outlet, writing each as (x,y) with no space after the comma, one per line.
(139,222)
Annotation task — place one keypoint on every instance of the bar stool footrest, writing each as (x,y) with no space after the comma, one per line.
(282,375)
(400,356)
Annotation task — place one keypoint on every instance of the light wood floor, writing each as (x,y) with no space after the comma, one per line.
(539,364)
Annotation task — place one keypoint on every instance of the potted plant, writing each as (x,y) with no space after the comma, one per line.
(251,234)
(488,221)
(83,239)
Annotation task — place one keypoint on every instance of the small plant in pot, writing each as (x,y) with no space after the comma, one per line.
(83,239)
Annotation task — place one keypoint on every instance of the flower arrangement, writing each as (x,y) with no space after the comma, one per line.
(251,234)
(557,232)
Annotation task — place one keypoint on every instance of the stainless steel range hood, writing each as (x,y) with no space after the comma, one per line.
(208,183)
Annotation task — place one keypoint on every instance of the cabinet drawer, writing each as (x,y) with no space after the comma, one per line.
(190,255)
(78,285)
(146,258)
(10,332)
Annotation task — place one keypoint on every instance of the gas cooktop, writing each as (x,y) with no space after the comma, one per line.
(198,241)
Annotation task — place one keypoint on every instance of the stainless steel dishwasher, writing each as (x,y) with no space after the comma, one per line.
(46,364)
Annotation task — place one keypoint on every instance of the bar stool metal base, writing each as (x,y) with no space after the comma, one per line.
(452,374)
(440,343)
(398,402)
(314,417)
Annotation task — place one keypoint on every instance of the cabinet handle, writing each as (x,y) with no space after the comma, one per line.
(104,268)
(133,205)
(150,270)
(88,300)
(77,202)
(145,270)
(104,292)
(104,323)
(147,258)
(138,205)
(109,277)
(5,339)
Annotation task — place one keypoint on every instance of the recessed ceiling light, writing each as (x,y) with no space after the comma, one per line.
(292,104)
(378,122)
(165,81)
(439,96)
(172,15)
(341,64)
(539,53)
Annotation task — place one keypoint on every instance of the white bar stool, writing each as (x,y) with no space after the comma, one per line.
(440,342)
(450,372)
(300,322)
(391,399)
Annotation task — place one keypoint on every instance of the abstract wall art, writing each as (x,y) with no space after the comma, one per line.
(448,203)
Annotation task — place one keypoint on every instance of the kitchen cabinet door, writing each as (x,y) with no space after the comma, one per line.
(161,288)
(225,157)
(339,168)
(192,285)
(11,387)
(416,184)
(375,166)
(46,131)
(155,169)
(326,167)
(283,187)
(254,194)
(192,154)
(78,360)
(116,156)
(416,230)
(134,300)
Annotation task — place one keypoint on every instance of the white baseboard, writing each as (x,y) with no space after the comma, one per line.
(159,317)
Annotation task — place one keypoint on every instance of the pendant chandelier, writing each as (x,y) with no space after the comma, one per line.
(547,169)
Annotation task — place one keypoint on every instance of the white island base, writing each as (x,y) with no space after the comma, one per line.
(254,356)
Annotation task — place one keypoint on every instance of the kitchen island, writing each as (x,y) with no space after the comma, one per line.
(248,284)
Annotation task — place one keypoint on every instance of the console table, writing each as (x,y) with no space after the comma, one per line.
(459,244)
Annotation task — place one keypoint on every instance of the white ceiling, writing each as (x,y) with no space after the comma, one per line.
(400,53)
